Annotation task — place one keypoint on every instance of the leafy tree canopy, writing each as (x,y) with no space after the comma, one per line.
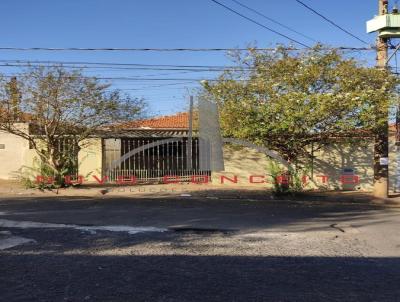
(285,100)
(63,108)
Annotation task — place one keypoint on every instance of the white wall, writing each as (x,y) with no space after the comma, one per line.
(329,161)
(91,159)
(12,158)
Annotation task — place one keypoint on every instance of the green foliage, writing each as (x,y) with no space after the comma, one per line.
(288,100)
(275,171)
(287,180)
(28,176)
(43,176)
(63,108)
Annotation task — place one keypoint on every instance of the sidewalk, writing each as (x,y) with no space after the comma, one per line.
(208,191)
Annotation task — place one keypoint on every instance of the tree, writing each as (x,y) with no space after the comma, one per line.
(63,109)
(287,100)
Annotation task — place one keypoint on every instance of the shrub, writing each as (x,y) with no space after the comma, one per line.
(287,180)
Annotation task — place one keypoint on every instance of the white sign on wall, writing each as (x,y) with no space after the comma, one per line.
(384,161)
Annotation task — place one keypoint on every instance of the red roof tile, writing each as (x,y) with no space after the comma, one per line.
(177,121)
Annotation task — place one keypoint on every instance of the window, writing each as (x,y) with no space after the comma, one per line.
(2,146)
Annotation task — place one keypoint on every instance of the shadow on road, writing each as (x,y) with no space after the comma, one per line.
(197,278)
(175,212)
(60,269)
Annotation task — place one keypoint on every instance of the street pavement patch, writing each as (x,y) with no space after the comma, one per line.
(5,223)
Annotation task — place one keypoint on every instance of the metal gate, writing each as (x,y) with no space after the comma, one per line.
(151,159)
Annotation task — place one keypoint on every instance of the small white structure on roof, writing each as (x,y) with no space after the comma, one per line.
(387,25)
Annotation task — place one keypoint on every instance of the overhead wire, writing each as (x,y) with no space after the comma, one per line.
(274,21)
(259,24)
(76,66)
(128,78)
(166,49)
(127,49)
(331,22)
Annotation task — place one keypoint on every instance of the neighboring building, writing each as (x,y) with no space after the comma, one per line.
(122,151)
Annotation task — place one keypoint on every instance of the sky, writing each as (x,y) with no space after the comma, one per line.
(168,24)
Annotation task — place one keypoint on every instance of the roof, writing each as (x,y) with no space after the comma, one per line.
(177,121)
(177,125)
(141,133)
(21,117)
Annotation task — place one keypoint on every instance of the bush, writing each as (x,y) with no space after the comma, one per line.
(43,177)
(287,180)
(37,176)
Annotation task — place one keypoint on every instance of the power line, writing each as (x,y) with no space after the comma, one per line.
(128,78)
(331,22)
(153,88)
(108,69)
(111,67)
(116,64)
(137,66)
(157,86)
(183,49)
(274,21)
(259,24)
(155,66)
(128,49)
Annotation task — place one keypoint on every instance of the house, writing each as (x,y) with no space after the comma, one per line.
(152,148)
(169,136)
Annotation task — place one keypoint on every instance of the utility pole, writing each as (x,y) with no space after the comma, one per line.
(381,147)
(189,156)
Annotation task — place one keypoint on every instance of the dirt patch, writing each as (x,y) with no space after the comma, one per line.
(191,191)
(11,186)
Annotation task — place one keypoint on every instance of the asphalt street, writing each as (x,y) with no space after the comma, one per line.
(197,249)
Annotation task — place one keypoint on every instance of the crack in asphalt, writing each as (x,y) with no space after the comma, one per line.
(335,226)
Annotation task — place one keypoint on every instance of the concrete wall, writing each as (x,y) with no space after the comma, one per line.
(340,158)
(240,162)
(90,158)
(325,172)
(17,155)
(12,157)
